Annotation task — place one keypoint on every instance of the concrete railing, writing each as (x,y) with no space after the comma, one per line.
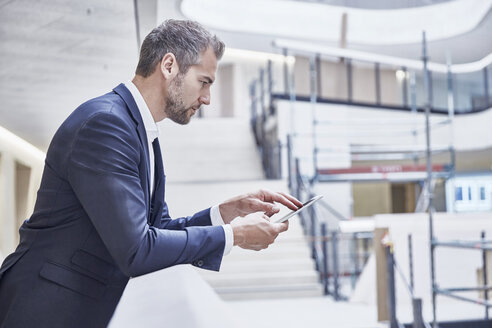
(173,297)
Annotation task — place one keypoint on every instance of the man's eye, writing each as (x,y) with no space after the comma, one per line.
(204,83)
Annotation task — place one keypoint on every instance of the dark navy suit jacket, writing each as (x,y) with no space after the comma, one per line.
(94,224)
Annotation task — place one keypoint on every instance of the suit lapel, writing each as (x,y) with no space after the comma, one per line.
(126,95)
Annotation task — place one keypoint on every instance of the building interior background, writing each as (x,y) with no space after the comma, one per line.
(382,107)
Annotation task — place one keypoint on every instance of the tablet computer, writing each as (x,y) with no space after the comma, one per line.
(304,206)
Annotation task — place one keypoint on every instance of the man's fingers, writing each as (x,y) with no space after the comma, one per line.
(269,214)
(260,206)
(281,198)
(294,200)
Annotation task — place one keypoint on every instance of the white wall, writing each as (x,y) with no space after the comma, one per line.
(468,132)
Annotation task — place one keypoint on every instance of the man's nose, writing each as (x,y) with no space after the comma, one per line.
(205,99)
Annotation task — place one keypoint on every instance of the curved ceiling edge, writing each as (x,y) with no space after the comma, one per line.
(314,21)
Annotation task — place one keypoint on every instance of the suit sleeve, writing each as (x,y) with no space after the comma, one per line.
(201,218)
(103,172)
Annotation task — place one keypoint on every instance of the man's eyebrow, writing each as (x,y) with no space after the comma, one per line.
(209,80)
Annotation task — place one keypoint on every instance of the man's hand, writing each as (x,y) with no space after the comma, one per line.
(259,201)
(255,231)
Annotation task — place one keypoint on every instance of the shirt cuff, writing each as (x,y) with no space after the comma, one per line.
(215,216)
(229,238)
(216,220)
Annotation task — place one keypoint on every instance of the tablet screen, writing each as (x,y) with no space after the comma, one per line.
(304,206)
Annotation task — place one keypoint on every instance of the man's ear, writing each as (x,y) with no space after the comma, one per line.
(169,66)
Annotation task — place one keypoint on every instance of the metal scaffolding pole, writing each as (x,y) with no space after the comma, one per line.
(484,276)
(286,71)
(430,196)
(413,107)
(450,99)
(312,71)
(292,92)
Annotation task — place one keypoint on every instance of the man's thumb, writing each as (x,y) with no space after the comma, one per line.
(281,227)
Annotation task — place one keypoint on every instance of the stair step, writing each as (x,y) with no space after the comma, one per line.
(278,291)
(262,278)
(273,252)
(288,264)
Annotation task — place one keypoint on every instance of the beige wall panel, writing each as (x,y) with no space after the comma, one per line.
(371,198)
(381,274)
(364,89)
(302,80)
(334,80)
(390,88)
(410,197)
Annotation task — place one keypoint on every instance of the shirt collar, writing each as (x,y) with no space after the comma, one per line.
(151,128)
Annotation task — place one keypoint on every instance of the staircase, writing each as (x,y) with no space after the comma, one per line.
(209,150)
(211,160)
(284,270)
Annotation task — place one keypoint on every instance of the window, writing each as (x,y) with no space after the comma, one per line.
(459,193)
(469,193)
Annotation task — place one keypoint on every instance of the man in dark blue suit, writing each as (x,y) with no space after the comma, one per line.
(100,215)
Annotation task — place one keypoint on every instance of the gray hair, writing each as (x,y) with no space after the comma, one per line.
(183,38)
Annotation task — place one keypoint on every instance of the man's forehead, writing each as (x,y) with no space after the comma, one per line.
(207,58)
(207,64)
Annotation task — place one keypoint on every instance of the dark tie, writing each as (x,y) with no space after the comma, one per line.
(157,202)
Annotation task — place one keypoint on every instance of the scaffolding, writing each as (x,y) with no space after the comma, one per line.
(426,174)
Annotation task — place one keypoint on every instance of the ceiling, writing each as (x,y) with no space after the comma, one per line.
(319,22)
(463,48)
(380,4)
(55,54)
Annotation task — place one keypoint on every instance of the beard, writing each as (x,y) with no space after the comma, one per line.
(175,107)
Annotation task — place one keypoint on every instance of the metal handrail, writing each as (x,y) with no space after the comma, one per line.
(323,203)
(405,65)
(319,239)
(481,245)
(332,211)
(377,105)
(405,282)
(391,265)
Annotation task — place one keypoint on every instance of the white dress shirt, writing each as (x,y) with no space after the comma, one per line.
(152,131)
